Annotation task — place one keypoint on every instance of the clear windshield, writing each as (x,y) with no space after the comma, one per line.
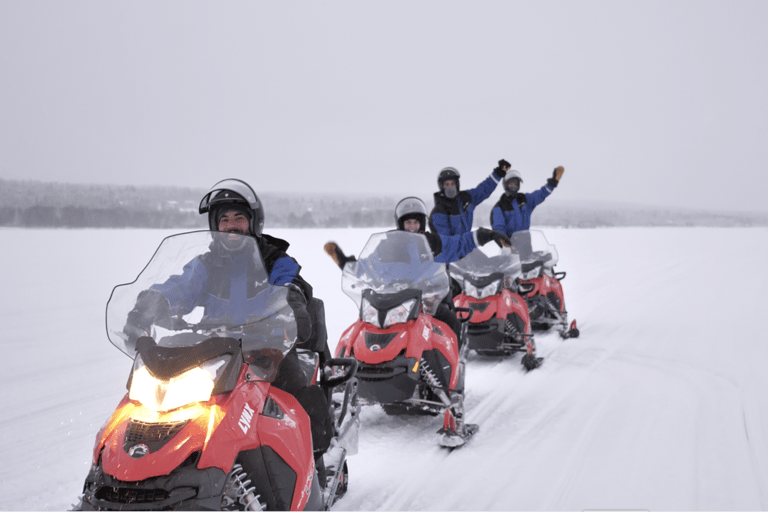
(485,261)
(205,284)
(394,261)
(533,246)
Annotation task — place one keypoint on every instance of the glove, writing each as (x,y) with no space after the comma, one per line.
(485,235)
(502,168)
(338,256)
(151,308)
(556,175)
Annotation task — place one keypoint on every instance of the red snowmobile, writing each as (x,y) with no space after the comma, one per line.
(491,289)
(546,302)
(201,427)
(409,361)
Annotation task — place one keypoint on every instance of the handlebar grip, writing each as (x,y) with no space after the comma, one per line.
(465,310)
(341,379)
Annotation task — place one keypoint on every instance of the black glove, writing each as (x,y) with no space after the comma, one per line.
(502,168)
(151,308)
(485,235)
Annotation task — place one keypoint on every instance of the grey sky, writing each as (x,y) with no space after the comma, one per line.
(649,102)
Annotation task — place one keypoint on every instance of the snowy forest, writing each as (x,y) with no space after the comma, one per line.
(34,204)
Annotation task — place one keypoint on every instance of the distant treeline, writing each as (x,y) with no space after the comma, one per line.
(39,204)
(32,204)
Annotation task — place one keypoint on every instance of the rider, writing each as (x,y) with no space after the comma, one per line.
(513,210)
(454,208)
(411,216)
(233,207)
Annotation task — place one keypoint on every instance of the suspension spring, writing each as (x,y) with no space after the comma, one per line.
(433,381)
(511,330)
(244,494)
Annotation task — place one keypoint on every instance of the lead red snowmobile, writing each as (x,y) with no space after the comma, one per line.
(409,361)
(546,301)
(491,289)
(201,427)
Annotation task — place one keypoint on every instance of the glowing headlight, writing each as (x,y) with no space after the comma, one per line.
(369,314)
(481,293)
(195,385)
(399,314)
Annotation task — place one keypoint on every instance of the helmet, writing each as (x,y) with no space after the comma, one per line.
(512,175)
(411,208)
(233,193)
(448,173)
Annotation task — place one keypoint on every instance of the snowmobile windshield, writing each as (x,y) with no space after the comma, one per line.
(485,261)
(196,287)
(532,246)
(395,261)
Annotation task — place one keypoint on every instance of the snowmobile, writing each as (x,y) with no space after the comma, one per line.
(546,301)
(491,288)
(409,362)
(201,426)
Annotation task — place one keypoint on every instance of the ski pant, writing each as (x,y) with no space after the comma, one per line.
(291,379)
(447,313)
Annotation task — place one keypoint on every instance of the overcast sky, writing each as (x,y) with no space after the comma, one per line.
(648,102)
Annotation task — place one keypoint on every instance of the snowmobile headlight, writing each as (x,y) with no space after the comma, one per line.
(531,274)
(369,314)
(399,314)
(491,289)
(194,385)
(483,291)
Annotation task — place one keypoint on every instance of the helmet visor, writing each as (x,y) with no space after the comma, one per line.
(233,185)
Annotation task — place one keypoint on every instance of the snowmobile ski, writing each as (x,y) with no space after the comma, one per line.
(572,332)
(452,439)
(531,362)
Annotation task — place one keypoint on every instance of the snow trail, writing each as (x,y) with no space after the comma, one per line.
(658,405)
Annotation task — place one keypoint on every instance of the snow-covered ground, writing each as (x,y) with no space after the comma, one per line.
(661,404)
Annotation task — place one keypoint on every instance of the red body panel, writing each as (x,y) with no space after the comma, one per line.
(221,428)
(499,306)
(415,336)
(545,284)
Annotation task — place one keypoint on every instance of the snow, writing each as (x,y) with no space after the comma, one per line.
(660,404)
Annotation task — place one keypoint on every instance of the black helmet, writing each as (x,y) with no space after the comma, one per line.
(448,173)
(411,208)
(233,193)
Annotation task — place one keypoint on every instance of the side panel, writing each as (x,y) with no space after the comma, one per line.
(442,338)
(290,437)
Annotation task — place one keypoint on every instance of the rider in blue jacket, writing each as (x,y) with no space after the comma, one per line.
(411,216)
(513,210)
(233,207)
(454,208)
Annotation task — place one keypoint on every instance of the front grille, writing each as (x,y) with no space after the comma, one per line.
(478,329)
(154,435)
(127,495)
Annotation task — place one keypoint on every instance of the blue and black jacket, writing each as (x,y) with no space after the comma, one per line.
(451,217)
(513,213)
(235,296)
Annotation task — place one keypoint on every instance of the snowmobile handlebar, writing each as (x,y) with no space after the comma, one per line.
(349,362)
(469,312)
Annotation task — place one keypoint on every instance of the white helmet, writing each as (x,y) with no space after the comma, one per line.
(509,188)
